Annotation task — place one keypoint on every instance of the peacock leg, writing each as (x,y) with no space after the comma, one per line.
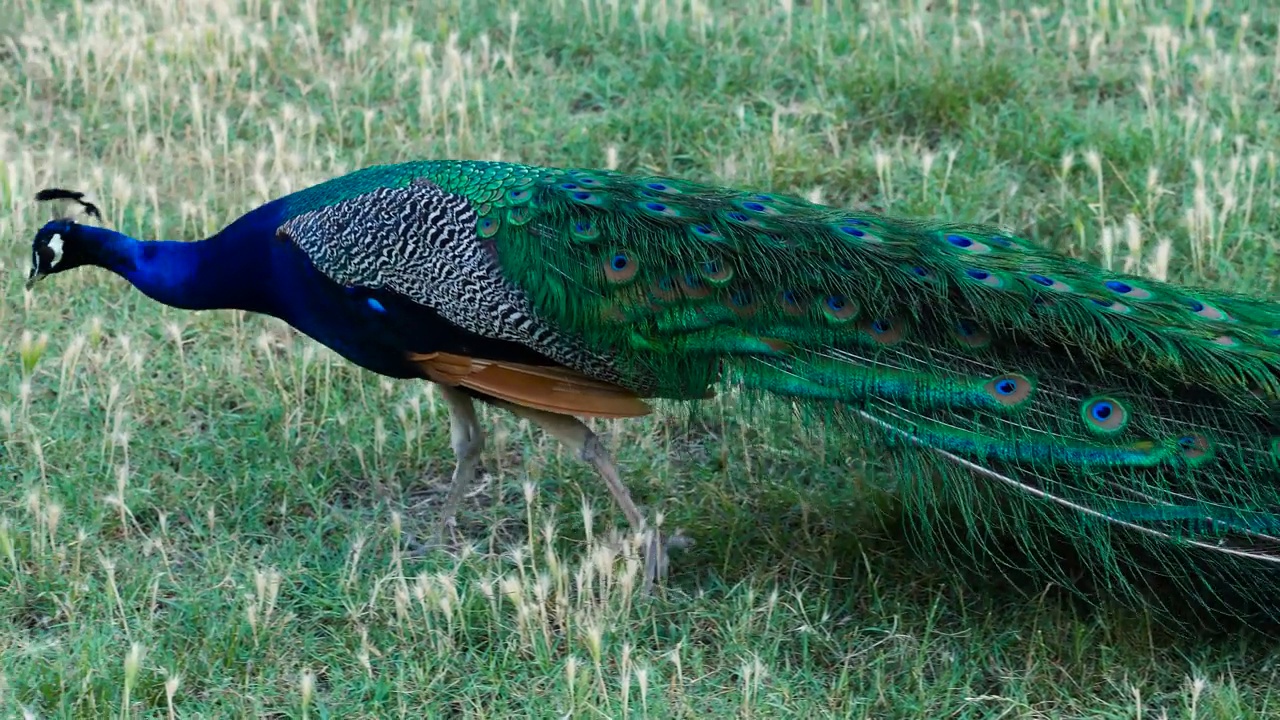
(579,438)
(467,440)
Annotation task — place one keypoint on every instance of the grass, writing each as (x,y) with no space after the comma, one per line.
(206,515)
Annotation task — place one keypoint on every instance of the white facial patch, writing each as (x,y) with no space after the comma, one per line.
(55,246)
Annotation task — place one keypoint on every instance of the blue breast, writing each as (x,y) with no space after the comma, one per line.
(352,322)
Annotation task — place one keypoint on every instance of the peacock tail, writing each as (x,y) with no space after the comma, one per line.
(1134,418)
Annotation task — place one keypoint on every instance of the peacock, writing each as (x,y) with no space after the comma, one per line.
(1037,398)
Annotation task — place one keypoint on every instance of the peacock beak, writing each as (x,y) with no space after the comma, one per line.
(33,278)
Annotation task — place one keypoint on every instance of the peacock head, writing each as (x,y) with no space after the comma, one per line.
(57,246)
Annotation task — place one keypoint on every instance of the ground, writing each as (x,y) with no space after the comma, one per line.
(206,515)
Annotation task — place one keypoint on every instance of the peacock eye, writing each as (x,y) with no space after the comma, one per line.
(1010,390)
(619,267)
(1106,415)
(1195,448)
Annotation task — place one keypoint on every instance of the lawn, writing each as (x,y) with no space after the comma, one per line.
(208,515)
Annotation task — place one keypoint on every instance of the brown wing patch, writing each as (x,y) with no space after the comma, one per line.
(551,388)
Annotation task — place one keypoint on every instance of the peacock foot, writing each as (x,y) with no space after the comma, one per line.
(656,553)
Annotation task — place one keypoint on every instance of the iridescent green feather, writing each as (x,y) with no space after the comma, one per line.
(1047,397)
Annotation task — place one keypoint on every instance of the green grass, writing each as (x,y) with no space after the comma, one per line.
(206,515)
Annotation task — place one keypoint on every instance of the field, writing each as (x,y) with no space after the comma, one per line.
(208,515)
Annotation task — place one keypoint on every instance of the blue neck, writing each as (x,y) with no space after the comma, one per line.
(231,270)
(246,267)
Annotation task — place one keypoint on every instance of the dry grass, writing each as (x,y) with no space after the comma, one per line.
(206,515)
